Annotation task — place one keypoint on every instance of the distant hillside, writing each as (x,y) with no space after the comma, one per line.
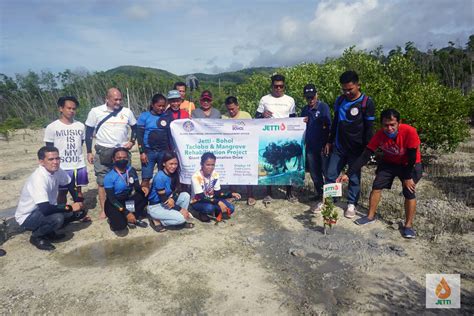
(234,76)
(137,72)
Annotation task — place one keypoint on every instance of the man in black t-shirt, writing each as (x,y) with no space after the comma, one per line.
(352,128)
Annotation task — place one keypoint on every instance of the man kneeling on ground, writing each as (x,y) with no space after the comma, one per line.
(400,145)
(37,209)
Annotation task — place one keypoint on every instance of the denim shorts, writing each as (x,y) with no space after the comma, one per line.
(154,158)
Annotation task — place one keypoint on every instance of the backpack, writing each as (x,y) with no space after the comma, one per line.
(340,99)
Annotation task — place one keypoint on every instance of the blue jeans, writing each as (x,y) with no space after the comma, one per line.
(41,225)
(212,209)
(337,161)
(317,166)
(170,217)
(154,158)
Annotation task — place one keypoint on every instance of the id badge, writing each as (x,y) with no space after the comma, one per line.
(130,205)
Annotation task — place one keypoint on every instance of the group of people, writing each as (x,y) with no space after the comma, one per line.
(125,200)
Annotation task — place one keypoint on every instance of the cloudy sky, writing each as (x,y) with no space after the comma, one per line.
(187,36)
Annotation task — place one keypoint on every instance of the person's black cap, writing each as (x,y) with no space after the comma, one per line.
(309,91)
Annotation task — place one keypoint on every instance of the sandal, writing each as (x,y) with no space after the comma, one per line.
(267,199)
(291,198)
(141,224)
(157,228)
(86,219)
(219,216)
(251,201)
(188,225)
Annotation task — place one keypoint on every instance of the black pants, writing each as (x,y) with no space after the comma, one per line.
(117,219)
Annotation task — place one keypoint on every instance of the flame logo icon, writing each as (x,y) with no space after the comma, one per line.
(282,127)
(443,291)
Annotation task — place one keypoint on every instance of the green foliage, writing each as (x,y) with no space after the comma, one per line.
(438,112)
(329,214)
(11,124)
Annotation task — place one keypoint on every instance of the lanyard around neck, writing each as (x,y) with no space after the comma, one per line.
(121,176)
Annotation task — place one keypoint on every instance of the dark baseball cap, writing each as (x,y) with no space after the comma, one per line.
(309,91)
(206,95)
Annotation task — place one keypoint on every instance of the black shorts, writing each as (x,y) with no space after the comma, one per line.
(387,172)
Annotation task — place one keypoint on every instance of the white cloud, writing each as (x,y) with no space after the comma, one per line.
(338,22)
(367,24)
(289,28)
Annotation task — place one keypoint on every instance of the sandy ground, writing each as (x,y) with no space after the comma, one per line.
(273,260)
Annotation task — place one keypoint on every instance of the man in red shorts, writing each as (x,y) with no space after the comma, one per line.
(400,145)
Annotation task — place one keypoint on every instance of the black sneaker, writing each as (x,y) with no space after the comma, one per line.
(2,252)
(54,236)
(42,243)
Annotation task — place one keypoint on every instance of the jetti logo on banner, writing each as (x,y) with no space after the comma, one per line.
(443,291)
(272,128)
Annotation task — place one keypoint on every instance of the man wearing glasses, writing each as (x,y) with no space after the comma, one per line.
(317,117)
(277,105)
(351,131)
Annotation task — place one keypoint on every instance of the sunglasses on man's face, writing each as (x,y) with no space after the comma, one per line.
(278,86)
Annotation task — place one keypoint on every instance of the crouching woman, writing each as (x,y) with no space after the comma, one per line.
(168,204)
(121,206)
(208,197)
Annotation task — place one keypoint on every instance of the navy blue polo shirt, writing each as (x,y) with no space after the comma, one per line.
(318,125)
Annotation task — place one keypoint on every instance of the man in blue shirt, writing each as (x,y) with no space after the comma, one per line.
(317,117)
(352,128)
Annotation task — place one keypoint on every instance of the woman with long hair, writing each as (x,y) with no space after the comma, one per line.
(168,204)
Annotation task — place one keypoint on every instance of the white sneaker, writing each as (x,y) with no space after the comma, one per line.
(350,211)
(318,208)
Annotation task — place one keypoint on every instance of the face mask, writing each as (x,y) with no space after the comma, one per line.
(121,164)
(391,135)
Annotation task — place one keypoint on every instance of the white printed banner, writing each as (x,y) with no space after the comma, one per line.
(257,152)
(332,190)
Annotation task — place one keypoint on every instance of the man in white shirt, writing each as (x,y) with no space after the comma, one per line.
(37,209)
(277,105)
(68,135)
(109,124)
